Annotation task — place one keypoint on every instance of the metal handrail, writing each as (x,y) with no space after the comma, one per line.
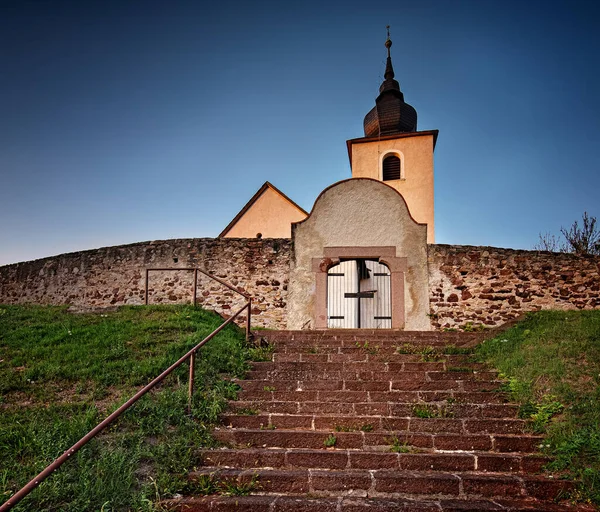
(195,299)
(191,355)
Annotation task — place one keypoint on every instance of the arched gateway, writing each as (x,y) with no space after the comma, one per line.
(360,228)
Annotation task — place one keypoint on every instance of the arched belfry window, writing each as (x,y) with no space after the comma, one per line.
(391,168)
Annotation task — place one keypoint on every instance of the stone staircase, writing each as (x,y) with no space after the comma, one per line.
(374,420)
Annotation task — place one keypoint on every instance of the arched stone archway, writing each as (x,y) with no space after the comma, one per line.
(359,219)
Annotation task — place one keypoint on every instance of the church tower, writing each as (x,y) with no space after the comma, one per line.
(393,151)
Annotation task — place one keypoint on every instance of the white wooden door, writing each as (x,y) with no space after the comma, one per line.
(359,295)
(376,312)
(342,312)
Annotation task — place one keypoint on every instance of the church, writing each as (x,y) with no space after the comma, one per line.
(364,256)
(372,230)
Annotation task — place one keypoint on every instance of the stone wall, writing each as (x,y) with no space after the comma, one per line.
(467,285)
(489,286)
(113,276)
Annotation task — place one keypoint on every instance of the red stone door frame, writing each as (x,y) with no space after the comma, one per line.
(333,255)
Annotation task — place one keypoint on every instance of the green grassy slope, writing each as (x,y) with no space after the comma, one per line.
(60,374)
(552,363)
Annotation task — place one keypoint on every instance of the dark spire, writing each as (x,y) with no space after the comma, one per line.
(390,114)
(389,83)
(389,70)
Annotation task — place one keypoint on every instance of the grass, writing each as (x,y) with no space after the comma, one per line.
(60,374)
(235,488)
(367,348)
(552,364)
(422,411)
(459,369)
(427,353)
(432,354)
(454,350)
(367,427)
(396,446)
(211,484)
(262,353)
(330,441)
(247,411)
(471,327)
(427,411)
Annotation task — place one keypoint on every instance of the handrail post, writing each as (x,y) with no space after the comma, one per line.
(195,285)
(191,381)
(147,272)
(248,321)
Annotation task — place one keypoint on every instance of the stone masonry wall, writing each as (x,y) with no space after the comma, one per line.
(489,286)
(113,276)
(467,285)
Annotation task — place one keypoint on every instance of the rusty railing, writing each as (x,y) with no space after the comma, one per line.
(195,270)
(190,355)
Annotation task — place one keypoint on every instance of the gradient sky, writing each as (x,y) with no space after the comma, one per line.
(124,121)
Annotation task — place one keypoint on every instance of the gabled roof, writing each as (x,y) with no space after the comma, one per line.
(253,200)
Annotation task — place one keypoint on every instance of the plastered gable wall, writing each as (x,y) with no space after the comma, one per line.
(357,213)
(271,215)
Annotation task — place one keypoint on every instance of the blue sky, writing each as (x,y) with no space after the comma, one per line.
(124,121)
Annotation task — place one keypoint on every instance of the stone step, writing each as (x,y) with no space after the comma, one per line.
(340,423)
(384,409)
(398,383)
(396,483)
(376,350)
(354,459)
(418,343)
(357,356)
(382,441)
(363,335)
(355,367)
(373,346)
(378,421)
(382,421)
(450,396)
(283,503)
(403,381)
(372,337)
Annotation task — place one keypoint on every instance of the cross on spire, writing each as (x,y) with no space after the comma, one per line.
(388,41)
